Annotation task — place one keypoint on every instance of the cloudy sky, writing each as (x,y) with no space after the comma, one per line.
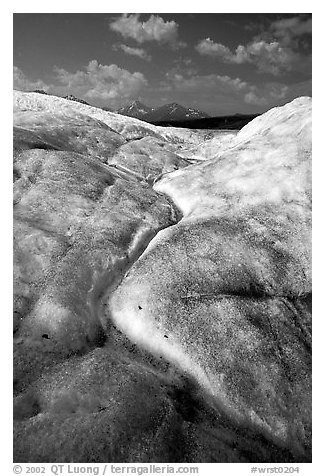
(218,63)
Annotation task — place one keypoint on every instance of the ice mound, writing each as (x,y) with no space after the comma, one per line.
(76,224)
(74,133)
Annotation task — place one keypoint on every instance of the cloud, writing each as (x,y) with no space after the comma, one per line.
(269,94)
(252,98)
(100,83)
(22,83)
(140,52)
(208,47)
(276,51)
(268,57)
(211,87)
(107,85)
(154,29)
(288,29)
(206,84)
(182,65)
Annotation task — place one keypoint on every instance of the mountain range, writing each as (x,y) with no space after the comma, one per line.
(138,110)
(167,112)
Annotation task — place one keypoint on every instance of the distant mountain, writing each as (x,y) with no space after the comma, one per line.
(136,109)
(168,112)
(179,116)
(71,97)
(175,112)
